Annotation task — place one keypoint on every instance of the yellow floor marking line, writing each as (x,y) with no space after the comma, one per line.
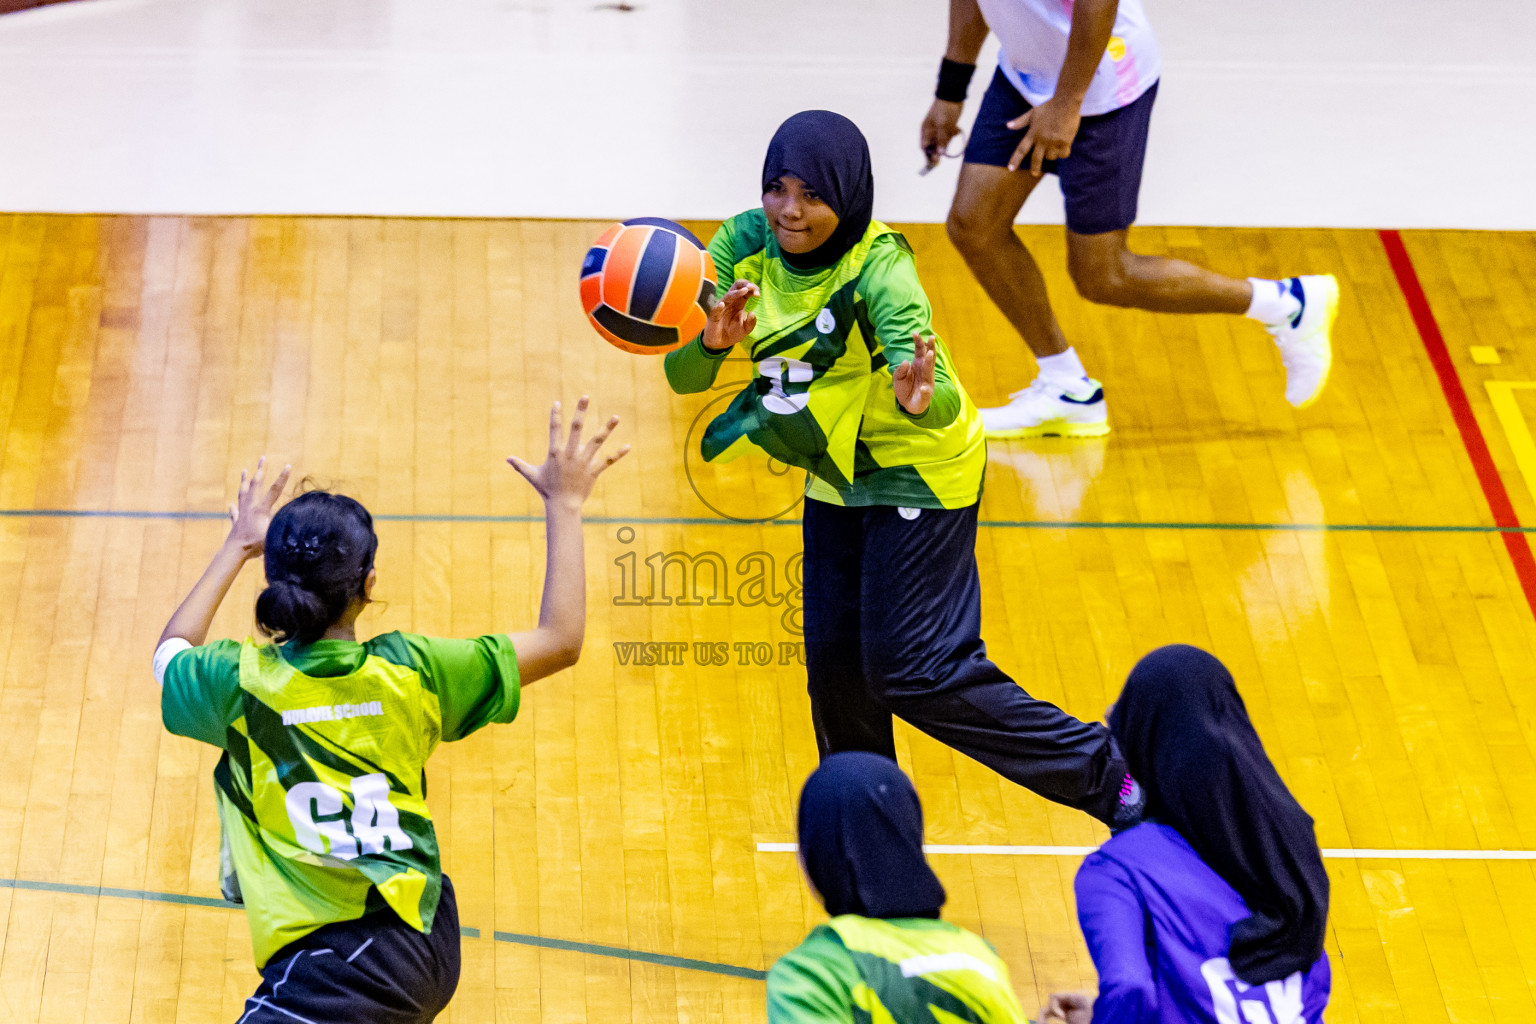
(1502,394)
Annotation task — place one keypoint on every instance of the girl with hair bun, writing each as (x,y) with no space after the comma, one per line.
(322,790)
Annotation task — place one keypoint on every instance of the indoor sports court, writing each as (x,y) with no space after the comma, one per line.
(347,236)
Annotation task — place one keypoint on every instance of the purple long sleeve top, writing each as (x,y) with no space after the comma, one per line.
(1157,919)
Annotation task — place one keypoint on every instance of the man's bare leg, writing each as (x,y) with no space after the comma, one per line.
(1107,272)
(981,226)
(1297,312)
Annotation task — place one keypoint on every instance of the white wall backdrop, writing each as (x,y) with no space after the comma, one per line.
(1315,112)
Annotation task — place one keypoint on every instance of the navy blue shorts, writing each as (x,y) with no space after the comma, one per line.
(377,969)
(1101,178)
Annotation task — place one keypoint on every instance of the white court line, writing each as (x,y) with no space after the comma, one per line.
(1081,851)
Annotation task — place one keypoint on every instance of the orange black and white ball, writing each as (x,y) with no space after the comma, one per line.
(647,285)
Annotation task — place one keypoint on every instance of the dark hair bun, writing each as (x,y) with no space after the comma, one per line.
(290,612)
(319,551)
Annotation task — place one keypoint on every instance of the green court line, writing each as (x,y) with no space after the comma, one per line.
(125,894)
(660,959)
(567,945)
(995,524)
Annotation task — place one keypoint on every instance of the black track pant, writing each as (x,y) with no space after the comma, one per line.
(893,626)
(376,969)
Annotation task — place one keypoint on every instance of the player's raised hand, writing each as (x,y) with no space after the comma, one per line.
(571,468)
(729,322)
(913,379)
(251,510)
(940,126)
(1052,127)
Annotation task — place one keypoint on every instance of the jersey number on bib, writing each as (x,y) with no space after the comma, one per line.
(1236,1002)
(314,809)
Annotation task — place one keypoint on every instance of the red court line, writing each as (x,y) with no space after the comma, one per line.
(1461,411)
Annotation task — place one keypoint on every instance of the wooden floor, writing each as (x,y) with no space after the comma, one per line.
(1389,660)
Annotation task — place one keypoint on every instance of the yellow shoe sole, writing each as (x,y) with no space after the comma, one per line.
(1333,314)
(1052,428)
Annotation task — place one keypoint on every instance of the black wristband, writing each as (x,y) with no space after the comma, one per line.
(954,80)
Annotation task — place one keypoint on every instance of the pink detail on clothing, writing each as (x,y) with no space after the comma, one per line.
(1126,77)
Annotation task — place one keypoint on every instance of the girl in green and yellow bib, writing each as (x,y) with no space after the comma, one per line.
(321,790)
(851,384)
(885,955)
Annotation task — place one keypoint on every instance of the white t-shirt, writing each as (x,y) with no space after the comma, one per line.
(1033,37)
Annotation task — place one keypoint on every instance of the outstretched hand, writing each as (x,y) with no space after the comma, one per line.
(571,468)
(913,379)
(729,322)
(251,510)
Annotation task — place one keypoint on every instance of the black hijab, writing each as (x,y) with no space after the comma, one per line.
(827,152)
(861,837)
(1186,736)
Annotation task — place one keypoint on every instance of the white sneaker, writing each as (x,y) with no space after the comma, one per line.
(1306,347)
(1046,409)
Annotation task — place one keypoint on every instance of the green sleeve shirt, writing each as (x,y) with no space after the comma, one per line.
(813,983)
(476,681)
(321,789)
(905,970)
(822,395)
(897,307)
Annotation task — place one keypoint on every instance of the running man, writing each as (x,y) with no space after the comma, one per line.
(1072,96)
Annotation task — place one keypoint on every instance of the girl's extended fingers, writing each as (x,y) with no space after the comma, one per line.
(527,471)
(1022,120)
(610,460)
(740,292)
(573,442)
(278,485)
(601,436)
(554,428)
